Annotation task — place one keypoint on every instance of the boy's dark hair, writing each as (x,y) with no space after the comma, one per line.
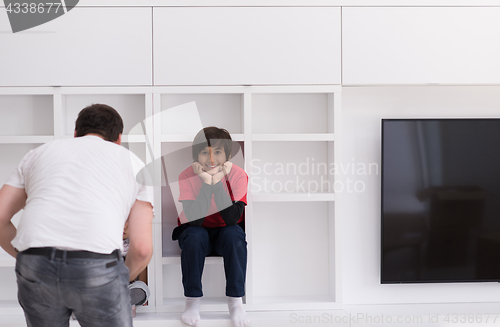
(99,119)
(212,136)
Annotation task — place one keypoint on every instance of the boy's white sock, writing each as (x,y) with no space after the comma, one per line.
(239,316)
(191,315)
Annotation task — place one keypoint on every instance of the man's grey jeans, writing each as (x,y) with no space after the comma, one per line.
(95,290)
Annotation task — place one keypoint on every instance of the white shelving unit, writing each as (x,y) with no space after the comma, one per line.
(50,113)
(293,221)
(278,126)
(292,235)
(27,121)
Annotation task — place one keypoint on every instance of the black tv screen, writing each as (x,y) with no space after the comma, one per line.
(440,200)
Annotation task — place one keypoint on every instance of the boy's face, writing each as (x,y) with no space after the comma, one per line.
(212,158)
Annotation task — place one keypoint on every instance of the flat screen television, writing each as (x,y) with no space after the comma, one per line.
(440,200)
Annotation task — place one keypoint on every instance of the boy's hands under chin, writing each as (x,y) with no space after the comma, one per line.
(224,171)
(198,170)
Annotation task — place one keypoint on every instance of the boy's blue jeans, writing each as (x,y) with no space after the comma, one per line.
(198,242)
(50,289)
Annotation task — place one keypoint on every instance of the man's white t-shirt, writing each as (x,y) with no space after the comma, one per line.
(80,192)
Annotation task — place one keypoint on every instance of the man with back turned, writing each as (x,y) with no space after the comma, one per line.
(77,194)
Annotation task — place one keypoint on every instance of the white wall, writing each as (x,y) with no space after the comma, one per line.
(362,110)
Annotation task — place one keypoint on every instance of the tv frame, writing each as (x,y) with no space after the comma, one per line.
(430,281)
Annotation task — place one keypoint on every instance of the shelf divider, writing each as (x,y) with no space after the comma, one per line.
(294,137)
(292,197)
(134,138)
(8,262)
(190,137)
(177,260)
(19,139)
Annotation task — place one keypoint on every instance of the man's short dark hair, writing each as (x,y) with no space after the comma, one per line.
(213,137)
(99,119)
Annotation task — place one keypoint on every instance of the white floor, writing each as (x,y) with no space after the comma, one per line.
(215,319)
(397,315)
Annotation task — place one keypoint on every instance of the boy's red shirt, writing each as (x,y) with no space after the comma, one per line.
(190,184)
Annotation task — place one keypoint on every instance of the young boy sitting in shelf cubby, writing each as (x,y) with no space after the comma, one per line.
(213,194)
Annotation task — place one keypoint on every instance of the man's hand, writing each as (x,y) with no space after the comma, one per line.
(224,171)
(198,170)
(12,199)
(141,237)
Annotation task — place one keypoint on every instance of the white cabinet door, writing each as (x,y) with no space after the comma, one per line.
(86,46)
(246,45)
(419,45)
